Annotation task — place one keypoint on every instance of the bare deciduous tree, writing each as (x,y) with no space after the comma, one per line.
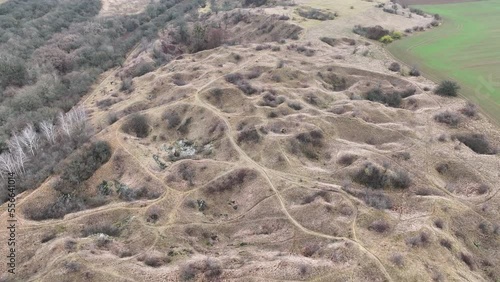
(6,163)
(49,131)
(30,138)
(17,152)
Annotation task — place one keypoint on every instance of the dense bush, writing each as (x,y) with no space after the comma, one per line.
(477,143)
(82,165)
(138,125)
(390,99)
(374,32)
(373,176)
(414,71)
(447,88)
(395,67)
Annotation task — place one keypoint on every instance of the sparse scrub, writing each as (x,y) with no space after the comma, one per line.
(308,143)
(249,136)
(310,249)
(231,181)
(379,226)
(448,118)
(468,260)
(470,110)
(173,119)
(315,14)
(377,199)
(397,259)
(420,240)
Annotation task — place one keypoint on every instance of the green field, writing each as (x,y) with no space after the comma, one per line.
(466,48)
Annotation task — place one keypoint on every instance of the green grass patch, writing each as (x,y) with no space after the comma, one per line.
(466,48)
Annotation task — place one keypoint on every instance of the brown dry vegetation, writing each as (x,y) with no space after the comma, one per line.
(301,179)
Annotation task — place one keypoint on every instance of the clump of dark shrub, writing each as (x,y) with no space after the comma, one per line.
(448,118)
(295,105)
(334,81)
(137,124)
(483,189)
(347,159)
(374,32)
(320,194)
(439,223)
(395,67)
(308,143)
(310,249)
(447,88)
(397,259)
(446,243)
(477,143)
(329,40)
(127,85)
(173,119)
(156,260)
(249,136)
(470,110)
(379,226)
(419,240)
(375,177)
(208,269)
(231,181)
(82,166)
(442,168)
(316,14)
(48,237)
(256,3)
(271,100)
(414,71)
(238,80)
(417,11)
(468,260)
(390,99)
(377,199)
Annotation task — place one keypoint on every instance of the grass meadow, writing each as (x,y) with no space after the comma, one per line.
(466,48)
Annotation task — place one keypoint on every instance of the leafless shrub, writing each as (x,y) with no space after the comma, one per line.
(48,237)
(477,143)
(295,105)
(442,168)
(419,240)
(270,99)
(470,110)
(379,226)
(378,200)
(249,136)
(439,223)
(172,118)
(448,118)
(156,260)
(138,125)
(347,159)
(397,259)
(446,243)
(310,249)
(319,194)
(231,181)
(468,260)
(72,266)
